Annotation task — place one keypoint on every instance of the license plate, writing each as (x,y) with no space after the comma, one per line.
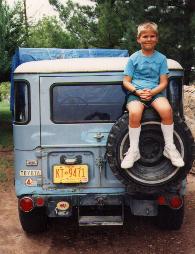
(70,173)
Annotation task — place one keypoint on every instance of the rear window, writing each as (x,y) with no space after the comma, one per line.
(21,102)
(87,102)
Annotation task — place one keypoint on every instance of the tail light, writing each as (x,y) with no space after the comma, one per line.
(176,202)
(40,201)
(161,200)
(26,204)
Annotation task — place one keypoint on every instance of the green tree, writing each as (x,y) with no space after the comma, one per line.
(4,60)
(109,25)
(48,33)
(80,21)
(93,26)
(12,35)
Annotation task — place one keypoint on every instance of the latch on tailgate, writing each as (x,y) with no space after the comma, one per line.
(99,136)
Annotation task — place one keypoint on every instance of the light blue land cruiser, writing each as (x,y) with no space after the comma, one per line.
(70,135)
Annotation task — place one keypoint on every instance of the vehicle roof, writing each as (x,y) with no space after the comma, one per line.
(98,64)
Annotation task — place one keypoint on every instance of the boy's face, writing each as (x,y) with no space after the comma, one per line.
(148,40)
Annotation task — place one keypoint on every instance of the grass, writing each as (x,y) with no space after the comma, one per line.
(6,140)
(6,143)
(5,112)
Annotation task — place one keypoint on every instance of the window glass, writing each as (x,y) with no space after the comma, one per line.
(87,102)
(21,102)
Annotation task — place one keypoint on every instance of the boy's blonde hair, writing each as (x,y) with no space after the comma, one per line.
(147,26)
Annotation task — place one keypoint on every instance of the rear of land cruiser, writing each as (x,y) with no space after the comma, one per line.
(70,135)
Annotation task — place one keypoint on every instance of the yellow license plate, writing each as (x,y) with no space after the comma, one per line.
(70,173)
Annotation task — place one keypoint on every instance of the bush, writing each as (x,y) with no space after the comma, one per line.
(4,91)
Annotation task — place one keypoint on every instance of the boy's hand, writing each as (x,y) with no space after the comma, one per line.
(145,94)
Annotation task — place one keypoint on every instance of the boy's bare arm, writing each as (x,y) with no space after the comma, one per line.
(127,83)
(130,87)
(162,85)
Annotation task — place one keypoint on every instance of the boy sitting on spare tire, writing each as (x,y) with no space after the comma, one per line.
(145,79)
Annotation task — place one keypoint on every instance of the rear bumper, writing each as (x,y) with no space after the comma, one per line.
(64,206)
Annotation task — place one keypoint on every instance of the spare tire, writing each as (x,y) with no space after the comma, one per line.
(152,170)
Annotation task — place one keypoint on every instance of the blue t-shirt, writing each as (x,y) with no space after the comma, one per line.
(146,70)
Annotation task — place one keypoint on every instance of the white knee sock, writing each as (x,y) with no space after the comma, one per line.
(134,134)
(167,131)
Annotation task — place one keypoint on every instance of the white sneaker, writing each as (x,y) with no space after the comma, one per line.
(173,154)
(130,157)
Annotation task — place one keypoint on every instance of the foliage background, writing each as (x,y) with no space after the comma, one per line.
(107,24)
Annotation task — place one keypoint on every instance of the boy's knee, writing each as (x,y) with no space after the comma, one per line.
(135,114)
(167,116)
(168,111)
(165,109)
(135,117)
